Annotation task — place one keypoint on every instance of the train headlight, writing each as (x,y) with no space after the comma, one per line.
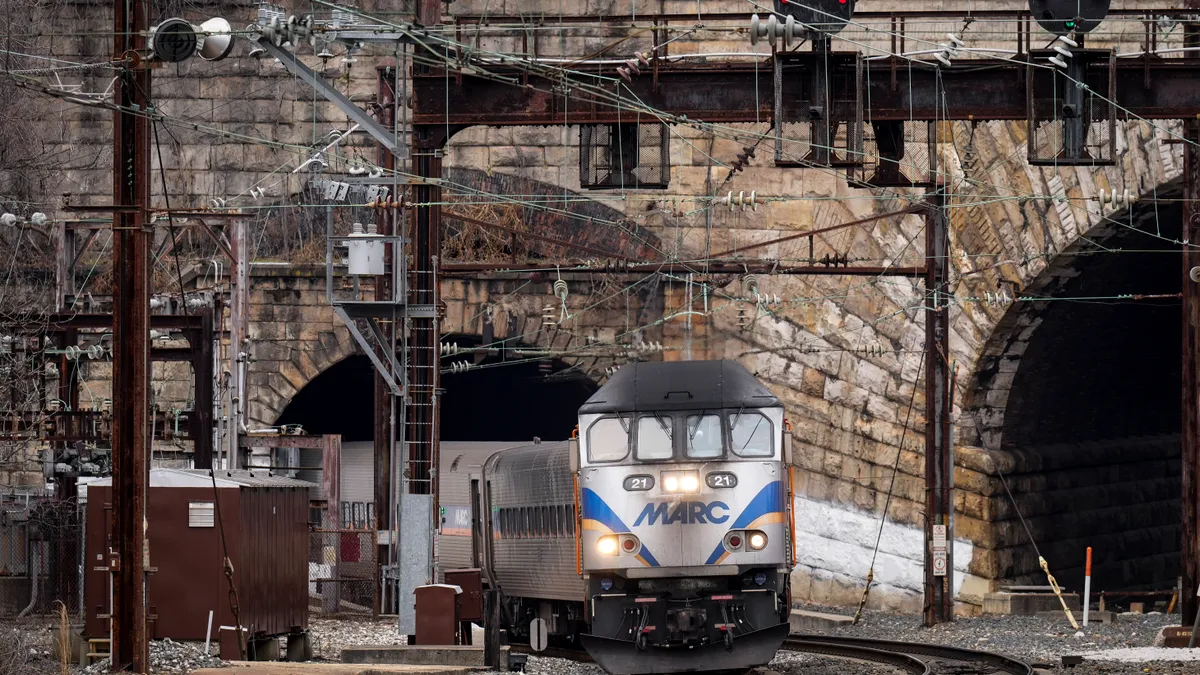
(607,545)
(757,541)
(681,481)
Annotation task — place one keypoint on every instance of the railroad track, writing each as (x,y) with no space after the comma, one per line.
(915,657)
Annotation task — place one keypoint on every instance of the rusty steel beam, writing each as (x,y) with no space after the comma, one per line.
(90,426)
(975,89)
(823,230)
(692,18)
(131,344)
(939,451)
(384,415)
(711,267)
(454,215)
(1190,456)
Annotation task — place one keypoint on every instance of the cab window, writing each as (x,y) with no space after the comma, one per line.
(654,437)
(704,436)
(750,434)
(608,440)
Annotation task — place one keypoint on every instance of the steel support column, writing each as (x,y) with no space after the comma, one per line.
(131,343)
(201,421)
(422,400)
(939,459)
(385,401)
(1190,567)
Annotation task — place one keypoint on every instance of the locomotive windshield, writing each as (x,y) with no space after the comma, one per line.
(664,436)
(704,437)
(750,434)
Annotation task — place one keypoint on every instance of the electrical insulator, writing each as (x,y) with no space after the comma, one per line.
(461,366)
(743,319)
(1068,16)
(560,289)
(741,200)
(1114,198)
(449,348)
(548,316)
(772,30)
(998,299)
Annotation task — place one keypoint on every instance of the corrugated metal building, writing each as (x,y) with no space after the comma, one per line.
(266,527)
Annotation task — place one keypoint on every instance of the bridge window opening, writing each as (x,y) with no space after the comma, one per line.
(1086,387)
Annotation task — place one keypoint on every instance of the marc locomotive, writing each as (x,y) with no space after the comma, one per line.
(661,538)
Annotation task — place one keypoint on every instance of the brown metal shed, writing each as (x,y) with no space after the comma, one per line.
(266,528)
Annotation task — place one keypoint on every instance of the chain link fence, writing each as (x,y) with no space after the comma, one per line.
(342,572)
(41,551)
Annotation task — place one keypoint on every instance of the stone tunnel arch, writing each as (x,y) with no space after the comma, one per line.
(494,400)
(1078,395)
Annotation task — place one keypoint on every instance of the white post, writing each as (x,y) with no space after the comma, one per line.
(1087,586)
(208,633)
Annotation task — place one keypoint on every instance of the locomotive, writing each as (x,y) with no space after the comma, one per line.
(660,537)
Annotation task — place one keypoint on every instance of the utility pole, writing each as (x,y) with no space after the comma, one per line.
(131,426)
(1190,456)
(939,456)
(1190,423)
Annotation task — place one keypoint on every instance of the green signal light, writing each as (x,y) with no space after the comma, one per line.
(1070,24)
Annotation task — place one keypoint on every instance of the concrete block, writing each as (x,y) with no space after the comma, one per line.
(1093,617)
(805,621)
(1027,604)
(440,655)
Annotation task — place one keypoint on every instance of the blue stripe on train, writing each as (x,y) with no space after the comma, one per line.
(768,500)
(595,508)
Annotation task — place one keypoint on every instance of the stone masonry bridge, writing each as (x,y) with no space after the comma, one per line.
(1071,390)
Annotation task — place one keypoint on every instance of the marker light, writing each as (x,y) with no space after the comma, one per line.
(607,545)
(629,545)
(671,484)
(758,541)
(760,578)
(606,584)
(689,483)
(735,541)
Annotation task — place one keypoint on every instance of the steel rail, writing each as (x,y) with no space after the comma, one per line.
(1000,662)
(835,647)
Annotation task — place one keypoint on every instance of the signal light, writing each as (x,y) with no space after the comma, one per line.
(176,40)
(1065,16)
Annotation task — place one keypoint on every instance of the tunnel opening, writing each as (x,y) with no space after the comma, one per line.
(1092,418)
(499,397)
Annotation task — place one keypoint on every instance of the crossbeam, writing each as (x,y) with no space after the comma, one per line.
(897,89)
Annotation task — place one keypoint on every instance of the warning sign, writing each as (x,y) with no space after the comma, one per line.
(939,563)
(939,536)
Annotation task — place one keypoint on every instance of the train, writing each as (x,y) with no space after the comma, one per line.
(660,537)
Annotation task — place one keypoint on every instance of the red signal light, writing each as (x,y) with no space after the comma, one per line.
(629,544)
(735,541)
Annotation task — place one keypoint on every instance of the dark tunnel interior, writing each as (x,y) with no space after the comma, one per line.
(490,402)
(1094,407)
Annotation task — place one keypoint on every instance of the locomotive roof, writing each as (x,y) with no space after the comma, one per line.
(679,385)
